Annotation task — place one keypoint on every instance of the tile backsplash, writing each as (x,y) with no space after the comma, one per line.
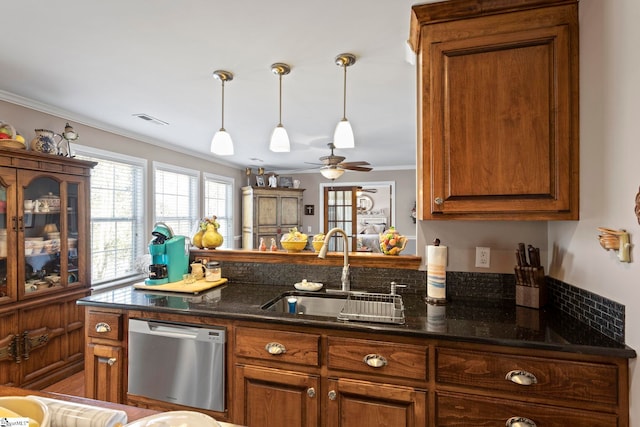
(599,313)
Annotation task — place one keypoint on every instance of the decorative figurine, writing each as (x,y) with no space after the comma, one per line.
(274,246)
(68,135)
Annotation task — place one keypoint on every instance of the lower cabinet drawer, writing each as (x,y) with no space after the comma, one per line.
(529,377)
(282,346)
(101,324)
(455,409)
(381,358)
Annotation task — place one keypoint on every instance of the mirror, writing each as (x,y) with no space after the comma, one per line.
(364,203)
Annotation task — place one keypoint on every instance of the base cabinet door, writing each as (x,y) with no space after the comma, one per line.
(362,403)
(104,372)
(455,409)
(266,397)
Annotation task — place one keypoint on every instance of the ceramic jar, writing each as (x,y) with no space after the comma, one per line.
(45,141)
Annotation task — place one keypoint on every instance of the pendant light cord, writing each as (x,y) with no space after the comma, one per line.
(344,92)
(222,124)
(280,103)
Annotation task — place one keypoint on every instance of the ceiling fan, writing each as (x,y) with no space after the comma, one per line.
(334,166)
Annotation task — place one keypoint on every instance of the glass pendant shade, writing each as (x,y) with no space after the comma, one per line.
(221,144)
(280,140)
(331,173)
(343,135)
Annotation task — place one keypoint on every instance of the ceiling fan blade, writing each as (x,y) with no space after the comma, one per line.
(360,163)
(355,167)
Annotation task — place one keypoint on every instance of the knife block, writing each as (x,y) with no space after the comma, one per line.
(531,287)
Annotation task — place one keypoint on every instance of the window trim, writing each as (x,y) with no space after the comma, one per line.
(227,180)
(167,167)
(113,156)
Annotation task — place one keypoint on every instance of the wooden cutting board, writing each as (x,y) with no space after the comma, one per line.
(180,286)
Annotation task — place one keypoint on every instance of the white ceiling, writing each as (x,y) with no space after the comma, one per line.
(99,62)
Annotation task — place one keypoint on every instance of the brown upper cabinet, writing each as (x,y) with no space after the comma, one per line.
(497,109)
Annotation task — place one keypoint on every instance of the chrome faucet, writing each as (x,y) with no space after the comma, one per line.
(346,285)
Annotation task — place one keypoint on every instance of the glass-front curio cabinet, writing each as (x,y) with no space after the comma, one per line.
(44,266)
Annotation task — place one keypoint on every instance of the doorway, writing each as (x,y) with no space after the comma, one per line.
(351,203)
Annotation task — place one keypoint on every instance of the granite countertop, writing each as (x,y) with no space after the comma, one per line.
(490,322)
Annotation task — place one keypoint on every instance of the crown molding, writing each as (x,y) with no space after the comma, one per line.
(96,124)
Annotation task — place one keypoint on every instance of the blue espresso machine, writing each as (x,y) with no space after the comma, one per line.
(169,256)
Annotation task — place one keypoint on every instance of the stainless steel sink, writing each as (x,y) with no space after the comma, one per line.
(354,306)
(312,305)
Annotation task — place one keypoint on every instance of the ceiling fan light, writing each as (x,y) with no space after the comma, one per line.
(279,140)
(343,135)
(331,173)
(221,144)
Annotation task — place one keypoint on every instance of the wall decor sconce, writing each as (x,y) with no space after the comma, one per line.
(617,240)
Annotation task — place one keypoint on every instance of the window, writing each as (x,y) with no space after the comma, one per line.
(117,214)
(218,201)
(176,194)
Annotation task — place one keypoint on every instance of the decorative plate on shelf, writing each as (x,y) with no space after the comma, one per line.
(308,286)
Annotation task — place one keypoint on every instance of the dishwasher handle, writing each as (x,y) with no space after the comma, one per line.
(176,330)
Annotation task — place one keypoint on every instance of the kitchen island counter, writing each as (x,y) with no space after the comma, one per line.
(486,322)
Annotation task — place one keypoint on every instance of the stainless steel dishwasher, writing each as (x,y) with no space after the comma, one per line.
(177,363)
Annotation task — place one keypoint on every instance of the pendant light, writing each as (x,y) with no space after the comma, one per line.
(343,135)
(279,138)
(221,144)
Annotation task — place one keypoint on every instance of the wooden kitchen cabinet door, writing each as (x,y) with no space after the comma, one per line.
(105,371)
(266,397)
(498,111)
(363,403)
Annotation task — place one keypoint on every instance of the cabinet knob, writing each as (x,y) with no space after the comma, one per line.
(438,201)
(102,328)
(332,395)
(521,377)
(519,422)
(275,348)
(375,360)
(111,361)
(311,392)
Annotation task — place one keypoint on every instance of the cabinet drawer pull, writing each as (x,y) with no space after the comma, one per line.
(519,422)
(111,361)
(333,395)
(521,377)
(439,201)
(375,360)
(311,392)
(275,348)
(103,328)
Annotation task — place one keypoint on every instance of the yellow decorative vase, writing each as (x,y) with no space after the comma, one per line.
(197,239)
(211,239)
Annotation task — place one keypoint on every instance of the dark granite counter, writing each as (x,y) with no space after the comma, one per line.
(490,322)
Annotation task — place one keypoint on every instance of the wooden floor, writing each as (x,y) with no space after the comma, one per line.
(74,385)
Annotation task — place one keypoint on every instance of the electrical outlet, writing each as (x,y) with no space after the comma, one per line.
(309,229)
(483,257)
